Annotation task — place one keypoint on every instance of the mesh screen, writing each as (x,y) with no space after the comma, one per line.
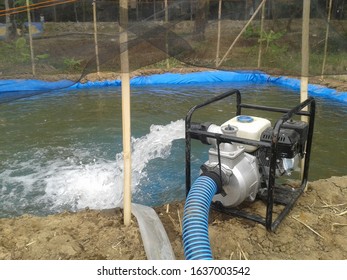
(71,40)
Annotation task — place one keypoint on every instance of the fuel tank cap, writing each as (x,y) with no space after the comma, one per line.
(245,119)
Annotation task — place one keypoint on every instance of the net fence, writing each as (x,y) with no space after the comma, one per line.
(77,40)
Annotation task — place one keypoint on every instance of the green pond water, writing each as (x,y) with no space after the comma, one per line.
(62,150)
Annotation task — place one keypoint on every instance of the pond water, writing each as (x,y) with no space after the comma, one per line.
(62,150)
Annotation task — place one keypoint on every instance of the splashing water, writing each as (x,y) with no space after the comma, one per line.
(73,181)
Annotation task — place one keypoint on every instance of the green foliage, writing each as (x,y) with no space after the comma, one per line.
(42,56)
(17,52)
(251,32)
(22,50)
(20,43)
(270,38)
(72,65)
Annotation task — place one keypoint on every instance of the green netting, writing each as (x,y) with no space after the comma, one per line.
(232,35)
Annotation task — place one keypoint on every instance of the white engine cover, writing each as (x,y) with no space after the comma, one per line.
(248,127)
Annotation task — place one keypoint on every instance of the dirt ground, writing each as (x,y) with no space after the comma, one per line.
(315,229)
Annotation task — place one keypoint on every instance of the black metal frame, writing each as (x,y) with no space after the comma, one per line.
(276,194)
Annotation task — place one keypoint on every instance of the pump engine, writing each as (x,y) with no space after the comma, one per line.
(248,153)
(245,167)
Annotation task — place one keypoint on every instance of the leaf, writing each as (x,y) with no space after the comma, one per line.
(21,43)
(42,56)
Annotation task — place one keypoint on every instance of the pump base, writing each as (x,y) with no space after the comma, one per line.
(284,195)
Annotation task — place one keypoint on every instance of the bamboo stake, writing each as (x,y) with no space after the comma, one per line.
(75,11)
(166,43)
(8,21)
(54,13)
(219,30)
(124,57)
(166,11)
(96,39)
(243,30)
(261,35)
(305,54)
(31,40)
(326,38)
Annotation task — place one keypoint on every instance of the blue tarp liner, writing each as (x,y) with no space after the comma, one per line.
(32,85)
(188,78)
(173,78)
(16,89)
(96,84)
(314,90)
(201,77)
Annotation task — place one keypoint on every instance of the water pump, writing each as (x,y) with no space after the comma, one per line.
(248,154)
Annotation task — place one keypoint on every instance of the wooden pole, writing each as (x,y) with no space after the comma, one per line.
(96,39)
(166,37)
(166,11)
(326,38)
(7,21)
(126,119)
(261,35)
(54,14)
(31,40)
(219,30)
(305,51)
(84,11)
(243,30)
(75,10)
(305,54)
